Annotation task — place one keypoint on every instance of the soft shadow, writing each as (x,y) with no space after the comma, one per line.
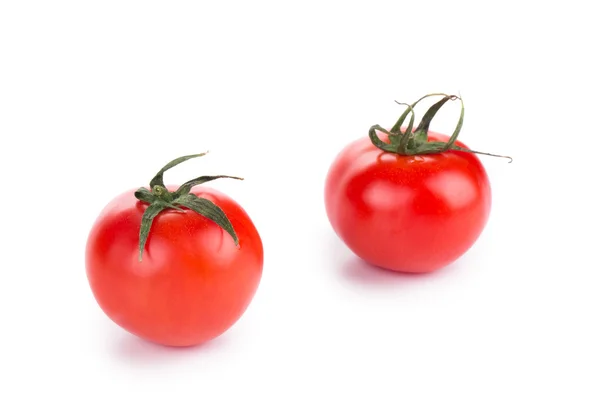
(361,273)
(358,272)
(128,348)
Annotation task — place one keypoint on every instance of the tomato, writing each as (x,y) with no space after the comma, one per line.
(193,276)
(410,208)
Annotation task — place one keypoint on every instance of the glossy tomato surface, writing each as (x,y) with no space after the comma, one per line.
(192,284)
(410,214)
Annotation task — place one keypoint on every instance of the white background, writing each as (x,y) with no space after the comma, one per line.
(96,96)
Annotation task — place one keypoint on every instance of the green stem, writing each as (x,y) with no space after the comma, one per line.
(414,142)
(159,198)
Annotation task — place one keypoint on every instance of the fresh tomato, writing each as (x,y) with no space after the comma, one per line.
(408,200)
(174,265)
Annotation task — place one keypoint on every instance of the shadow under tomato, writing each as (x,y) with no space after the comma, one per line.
(358,272)
(132,349)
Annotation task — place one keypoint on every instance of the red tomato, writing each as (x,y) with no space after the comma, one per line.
(193,282)
(407,213)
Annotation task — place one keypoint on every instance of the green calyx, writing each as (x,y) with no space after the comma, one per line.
(159,198)
(413,142)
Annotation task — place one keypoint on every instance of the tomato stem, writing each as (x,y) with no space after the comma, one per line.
(159,198)
(414,142)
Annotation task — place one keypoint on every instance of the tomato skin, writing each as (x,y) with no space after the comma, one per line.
(192,284)
(412,214)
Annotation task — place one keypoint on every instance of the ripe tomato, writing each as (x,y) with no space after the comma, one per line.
(410,205)
(188,281)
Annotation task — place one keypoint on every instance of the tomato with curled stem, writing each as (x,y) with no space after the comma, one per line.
(408,199)
(174,265)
